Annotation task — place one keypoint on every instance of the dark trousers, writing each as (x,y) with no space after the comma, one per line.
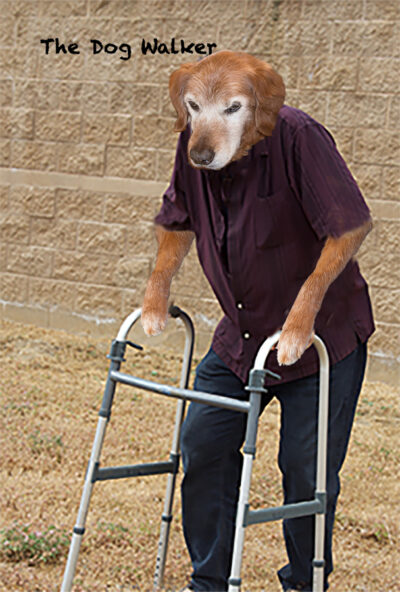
(212,461)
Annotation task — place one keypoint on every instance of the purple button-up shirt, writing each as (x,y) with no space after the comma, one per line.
(260,225)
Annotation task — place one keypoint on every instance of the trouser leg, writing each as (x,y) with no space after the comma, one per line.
(297,458)
(211,442)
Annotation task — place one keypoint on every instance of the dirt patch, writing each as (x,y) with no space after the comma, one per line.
(50,392)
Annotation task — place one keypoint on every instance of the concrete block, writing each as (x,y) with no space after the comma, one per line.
(67,8)
(130,208)
(6,93)
(59,126)
(78,204)
(49,293)
(120,8)
(101,238)
(4,193)
(154,132)
(99,301)
(34,155)
(14,227)
(165,165)
(141,239)
(379,255)
(70,94)
(121,97)
(385,342)
(357,110)
(131,271)
(341,10)
(274,11)
(391,182)
(380,75)
(107,129)
(7,30)
(34,201)
(5,123)
(380,10)
(52,67)
(369,179)
(22,7)
(29,260)
(84,159)
(3,256)
(380,39)
(5,152)
(146,100)
(18,62)
(131,162)
(13,288)
(315,104)
(75,266)
(376,148)
(43,95)
(303,38)
(95,97)
(328,73)
(131,300)
(386,304)
(55,233)
(394,112)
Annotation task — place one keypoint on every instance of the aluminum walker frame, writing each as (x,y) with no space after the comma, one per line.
(245,516)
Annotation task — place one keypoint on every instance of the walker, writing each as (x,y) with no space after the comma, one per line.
(245,516)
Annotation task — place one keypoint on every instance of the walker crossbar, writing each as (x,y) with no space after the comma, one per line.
(178,393)
(156,468)
(316,506)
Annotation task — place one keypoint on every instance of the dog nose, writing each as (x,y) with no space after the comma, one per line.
(203,157)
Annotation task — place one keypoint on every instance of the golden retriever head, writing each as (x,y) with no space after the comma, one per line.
(231,99)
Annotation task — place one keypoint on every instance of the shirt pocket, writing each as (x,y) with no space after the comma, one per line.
(275,219)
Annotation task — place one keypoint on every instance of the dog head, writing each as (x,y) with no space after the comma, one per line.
(231,100)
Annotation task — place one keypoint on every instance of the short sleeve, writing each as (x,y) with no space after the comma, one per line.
(327,191)
(174,214)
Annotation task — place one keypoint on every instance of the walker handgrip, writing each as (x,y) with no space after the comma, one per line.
(175,311)
(134,345)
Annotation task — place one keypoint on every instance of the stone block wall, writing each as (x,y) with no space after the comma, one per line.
(86,143)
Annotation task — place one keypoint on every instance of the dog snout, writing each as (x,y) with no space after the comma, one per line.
(203,156)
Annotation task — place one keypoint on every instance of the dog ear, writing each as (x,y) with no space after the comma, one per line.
(269,91)
(177,84)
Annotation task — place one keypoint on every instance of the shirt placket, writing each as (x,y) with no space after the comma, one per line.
(232,189)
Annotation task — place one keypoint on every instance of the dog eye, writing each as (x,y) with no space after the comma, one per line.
(194,106)
(234,107)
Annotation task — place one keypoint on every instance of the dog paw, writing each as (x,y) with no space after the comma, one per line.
(153,322)
(291,346)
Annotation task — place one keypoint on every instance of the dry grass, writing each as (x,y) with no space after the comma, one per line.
(51,388)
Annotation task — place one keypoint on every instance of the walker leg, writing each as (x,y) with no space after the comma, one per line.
(117,351)
(322,450)
(249,451)
(79,527)
(319,562)
(166,518)
(234,579)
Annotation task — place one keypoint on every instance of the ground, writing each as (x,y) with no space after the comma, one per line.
(50,393)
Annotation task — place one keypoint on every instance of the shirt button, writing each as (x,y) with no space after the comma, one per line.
(246,335)
(239,305)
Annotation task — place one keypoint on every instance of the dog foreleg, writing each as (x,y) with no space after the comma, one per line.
(172,249)
(297,332)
